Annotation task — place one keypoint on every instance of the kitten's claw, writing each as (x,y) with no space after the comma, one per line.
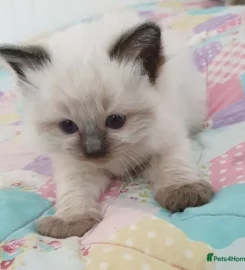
(178,198)
(74,225)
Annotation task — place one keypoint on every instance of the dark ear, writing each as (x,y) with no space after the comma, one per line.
(141,44)
(22,58)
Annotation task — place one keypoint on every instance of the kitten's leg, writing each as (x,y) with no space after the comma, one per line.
(77,209)
(175,181)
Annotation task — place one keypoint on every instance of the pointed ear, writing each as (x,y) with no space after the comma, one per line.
(141,44)
(22,58)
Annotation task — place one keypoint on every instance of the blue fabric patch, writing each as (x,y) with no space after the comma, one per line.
(29,228)
(18,209)
(3,72)
(205,11)
(242,78)
(218,223)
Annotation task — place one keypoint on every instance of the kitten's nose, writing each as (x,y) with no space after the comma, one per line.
(94,142)
(94,148)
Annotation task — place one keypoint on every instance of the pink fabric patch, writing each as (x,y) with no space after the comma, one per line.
(222,95)
(229,24)
(220,70)
(112,192)
(48,191)
(229,168)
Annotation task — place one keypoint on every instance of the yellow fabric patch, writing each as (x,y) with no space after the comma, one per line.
(151,244)
(111,257)
(170,3)
(5,119)
(189,22)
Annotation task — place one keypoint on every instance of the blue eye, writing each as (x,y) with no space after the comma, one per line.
(115,121)
(68,126)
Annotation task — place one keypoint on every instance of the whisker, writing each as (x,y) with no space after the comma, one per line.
(145,160)
(126,169)
(139,165)
(131,165)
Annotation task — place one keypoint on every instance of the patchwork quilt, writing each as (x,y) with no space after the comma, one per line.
(136,233)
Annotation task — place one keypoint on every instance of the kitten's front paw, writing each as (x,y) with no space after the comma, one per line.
(178,198)
(74,225)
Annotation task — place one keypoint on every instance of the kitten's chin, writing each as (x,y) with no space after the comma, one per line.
(111,167)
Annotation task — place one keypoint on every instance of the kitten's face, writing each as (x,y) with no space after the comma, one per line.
(97,118)
(97,110)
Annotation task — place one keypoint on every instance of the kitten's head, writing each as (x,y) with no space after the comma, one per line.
(90,100)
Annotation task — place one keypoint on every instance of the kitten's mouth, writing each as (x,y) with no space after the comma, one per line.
(98,160)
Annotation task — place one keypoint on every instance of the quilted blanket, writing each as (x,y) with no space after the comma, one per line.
(136,233)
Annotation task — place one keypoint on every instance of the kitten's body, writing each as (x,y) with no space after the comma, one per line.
(114,66)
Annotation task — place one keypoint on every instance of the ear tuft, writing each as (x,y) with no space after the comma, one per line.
(23,58)
(141,44)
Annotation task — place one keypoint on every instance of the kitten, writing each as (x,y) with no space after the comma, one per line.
(105,99)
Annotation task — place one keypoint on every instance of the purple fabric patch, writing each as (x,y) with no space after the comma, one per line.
(146,12)
(203,56)
(41,165)
(17,123)
(235,113)
(213,23)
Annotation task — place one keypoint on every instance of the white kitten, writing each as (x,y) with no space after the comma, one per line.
(108,99)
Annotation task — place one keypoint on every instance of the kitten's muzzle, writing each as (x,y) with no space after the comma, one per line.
(94,143)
